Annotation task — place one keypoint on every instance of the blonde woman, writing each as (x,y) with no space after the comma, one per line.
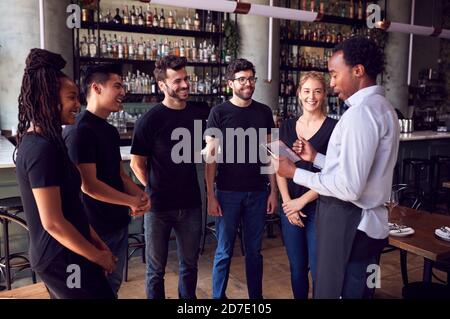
(299,203)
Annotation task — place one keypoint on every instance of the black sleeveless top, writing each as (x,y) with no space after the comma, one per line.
(319,141)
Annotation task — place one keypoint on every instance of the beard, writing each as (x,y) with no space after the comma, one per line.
(245,96)
(175,94)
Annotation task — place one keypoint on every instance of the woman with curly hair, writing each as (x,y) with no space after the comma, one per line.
(65,251)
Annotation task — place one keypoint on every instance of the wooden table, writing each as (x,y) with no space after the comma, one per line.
(423,242)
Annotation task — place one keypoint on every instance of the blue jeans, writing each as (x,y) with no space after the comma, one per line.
(251,207)
(300,243)
(118,244)
(187,225)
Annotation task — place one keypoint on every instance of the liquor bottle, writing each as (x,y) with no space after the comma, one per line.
(141,50)
(109,47)
(154,50)
(126,49)
(209,27)
(84,47)
(213,57)
(93,45)
(176,49)
(352,10)
(186,24)
(108,17)
(133,16)
(175,20)
(117,18)
(194,51)
(148,50)
(322,7)
(304,8)
(160,51)
(166,48)
(313,3)
(162,20)
(170,20)
(282,85)
(187,51)
(141,19)
(126,16)
(228,56)
(104,47)
(148,17)
(120,48)
(360,10)
(155,19)
(153,85)
(182,49)
(197,23)
(200,52)
(115,47)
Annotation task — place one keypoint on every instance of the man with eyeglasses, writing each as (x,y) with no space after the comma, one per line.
(172,184)
(242,193)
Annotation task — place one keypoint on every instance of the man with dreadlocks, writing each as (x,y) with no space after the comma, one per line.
(94,146)
(65,250)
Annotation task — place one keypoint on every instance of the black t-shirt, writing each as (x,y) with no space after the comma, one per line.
(319,141)
(41,164)
(93,140)
(240,170)
(172,181)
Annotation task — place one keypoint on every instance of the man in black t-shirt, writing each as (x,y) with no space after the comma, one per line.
(239,126)
(94,146)
(170,176)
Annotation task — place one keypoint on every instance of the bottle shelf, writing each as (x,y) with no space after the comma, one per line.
(308,43)
(302,69)
(326,18)
(86,59)
(139,97)
(102,26)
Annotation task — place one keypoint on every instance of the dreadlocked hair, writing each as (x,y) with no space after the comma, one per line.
(39,101)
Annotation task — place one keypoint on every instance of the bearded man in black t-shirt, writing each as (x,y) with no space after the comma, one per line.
(243,191)
(170,177)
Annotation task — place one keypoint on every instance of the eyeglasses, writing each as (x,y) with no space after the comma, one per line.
(243,80)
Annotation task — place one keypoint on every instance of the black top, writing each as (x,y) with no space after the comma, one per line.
(319,141)
(93,140)
(241,172)
(41,164)
(172,180)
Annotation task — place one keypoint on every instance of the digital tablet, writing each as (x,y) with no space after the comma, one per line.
(279,148)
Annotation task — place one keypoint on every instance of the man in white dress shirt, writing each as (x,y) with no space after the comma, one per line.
(356,176)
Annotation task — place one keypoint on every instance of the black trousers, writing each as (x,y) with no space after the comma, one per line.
(343,252)
(71,276)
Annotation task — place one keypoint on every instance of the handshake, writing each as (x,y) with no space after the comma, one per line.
(285,167)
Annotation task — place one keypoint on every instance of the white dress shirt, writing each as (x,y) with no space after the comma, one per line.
(360,159)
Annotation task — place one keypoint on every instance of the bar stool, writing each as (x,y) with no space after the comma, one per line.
(9,208)
(136,241)
(420,169)
(273,219)
(440,173)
